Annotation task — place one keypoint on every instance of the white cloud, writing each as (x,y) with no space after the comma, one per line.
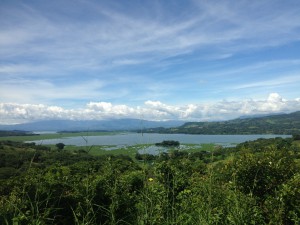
(106,109)
(151,110)
(275,97)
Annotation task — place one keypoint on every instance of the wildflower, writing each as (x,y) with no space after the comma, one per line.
(150,179)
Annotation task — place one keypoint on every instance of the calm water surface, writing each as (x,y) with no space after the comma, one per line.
(135,138)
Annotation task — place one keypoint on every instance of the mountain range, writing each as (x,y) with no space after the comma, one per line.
(95,125)
(272,124)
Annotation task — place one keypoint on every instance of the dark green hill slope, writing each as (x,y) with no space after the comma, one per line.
(275,124)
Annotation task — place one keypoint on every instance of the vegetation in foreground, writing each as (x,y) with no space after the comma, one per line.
(256,182)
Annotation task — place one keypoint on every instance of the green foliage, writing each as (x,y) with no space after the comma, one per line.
(169,143)
(145,157)
(60,146)
(255,183)
(296,137)
(286,202)
(7,172)
(260,174)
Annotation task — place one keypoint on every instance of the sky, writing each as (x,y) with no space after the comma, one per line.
(148,59)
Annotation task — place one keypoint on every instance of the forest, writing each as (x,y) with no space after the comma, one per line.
(256,182)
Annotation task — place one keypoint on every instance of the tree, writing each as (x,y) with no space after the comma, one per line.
(60,146)
(169,143)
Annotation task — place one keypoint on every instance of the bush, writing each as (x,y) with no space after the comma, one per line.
(60,146)
(296,137)
(7,172)
(261,174)
(285,205)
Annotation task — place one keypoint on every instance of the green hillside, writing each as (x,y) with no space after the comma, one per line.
(275,124)
(256,182)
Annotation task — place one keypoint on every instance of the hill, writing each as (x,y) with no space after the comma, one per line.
(273,124)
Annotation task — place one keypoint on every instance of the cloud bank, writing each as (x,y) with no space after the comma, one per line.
(151,110)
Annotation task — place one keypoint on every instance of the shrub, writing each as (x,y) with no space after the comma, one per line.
(261,174)
(60,146)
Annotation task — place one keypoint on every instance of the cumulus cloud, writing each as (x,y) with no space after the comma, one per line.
(151,110)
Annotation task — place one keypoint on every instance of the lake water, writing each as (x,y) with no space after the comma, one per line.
(129,139)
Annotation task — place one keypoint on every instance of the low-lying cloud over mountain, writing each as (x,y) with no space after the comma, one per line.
(12,113)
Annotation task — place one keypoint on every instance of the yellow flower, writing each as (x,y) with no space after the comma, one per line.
(150,179)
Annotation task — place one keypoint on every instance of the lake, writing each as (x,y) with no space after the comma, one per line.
(130,139)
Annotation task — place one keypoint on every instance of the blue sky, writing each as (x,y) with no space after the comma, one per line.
(188,60)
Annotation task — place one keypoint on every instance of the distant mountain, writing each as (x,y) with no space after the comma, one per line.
(273,124)
(260,115)
(107,125)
